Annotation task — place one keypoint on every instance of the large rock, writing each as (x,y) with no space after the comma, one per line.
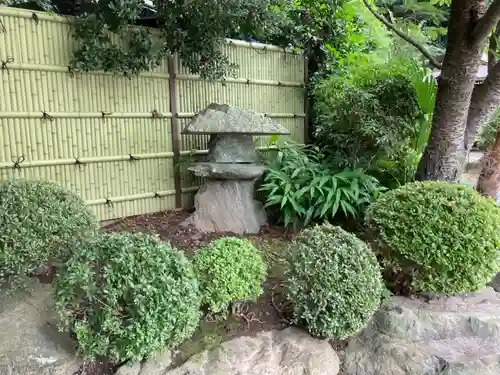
(29,341)
(224,118)
(227,206)
(452,336)
(288,352)
(232,148)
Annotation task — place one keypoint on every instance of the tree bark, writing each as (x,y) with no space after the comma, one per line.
(484,103)
(486,97)
(445,152)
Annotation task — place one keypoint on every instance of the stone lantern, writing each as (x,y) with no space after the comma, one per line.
(225,203)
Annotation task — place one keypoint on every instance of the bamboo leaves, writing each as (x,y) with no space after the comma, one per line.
(304,185)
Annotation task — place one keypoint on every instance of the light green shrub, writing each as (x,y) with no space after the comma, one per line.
(437,237)
(229,269)
(333,281)
(39,221)
(126,296)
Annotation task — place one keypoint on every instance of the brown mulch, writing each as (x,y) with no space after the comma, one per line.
(101,367)
(167,226)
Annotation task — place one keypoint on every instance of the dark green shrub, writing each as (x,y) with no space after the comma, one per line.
(126,296)
(376,117)
(367,122)
(333,281)
(304,185)
(39,221)
(436,237)
(229,269)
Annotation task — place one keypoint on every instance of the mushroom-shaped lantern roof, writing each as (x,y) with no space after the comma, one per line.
(224,118)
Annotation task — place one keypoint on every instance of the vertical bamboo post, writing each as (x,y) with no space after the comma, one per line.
(176,141)
(306,97)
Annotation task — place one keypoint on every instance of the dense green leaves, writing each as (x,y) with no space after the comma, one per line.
(229,269)
(126,296)
(108,41)
(304,185)
(366,122)
(333,281)
(39,223)
(437,237)
(372,118)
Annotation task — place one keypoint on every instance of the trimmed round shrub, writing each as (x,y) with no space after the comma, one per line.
(436,237)
(39,221)
(229,269)
(125,296)
(333,281)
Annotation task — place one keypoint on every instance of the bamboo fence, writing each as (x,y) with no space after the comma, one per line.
(115,140)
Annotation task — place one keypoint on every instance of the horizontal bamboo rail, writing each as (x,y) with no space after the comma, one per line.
(157,115)
(22,163)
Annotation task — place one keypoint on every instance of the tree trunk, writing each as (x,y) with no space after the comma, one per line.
(489,180)
(445,152)
(485,101)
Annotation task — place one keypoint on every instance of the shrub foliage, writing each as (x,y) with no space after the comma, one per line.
(229,269)
(376,116)
(437,237)
(39,220)
(125,296)
(367,122)
(333,281)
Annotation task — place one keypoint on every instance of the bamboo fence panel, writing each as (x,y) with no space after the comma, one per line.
(116,140)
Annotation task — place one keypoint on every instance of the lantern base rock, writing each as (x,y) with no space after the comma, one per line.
(227,206)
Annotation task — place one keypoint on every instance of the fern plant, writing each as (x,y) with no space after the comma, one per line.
(303,184)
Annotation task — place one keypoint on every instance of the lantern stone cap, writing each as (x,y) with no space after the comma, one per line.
(224,118)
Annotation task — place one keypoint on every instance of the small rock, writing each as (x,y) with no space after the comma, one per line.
(155,365)
(130,369)
(30,343)
(287,352)
(449,336)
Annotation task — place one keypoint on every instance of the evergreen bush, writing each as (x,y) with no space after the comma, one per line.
(39,222)
(126,296)
(229,269)
(333,281)
(436,237)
